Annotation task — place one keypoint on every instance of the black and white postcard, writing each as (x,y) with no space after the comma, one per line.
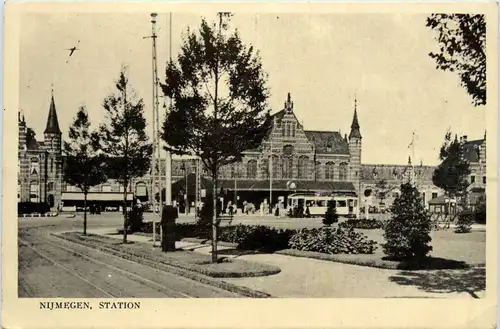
(250,165)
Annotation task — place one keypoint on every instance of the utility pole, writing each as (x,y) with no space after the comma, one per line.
(271,169)
(168,157)
(156,154)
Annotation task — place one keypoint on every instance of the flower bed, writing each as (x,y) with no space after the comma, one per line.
(332,241)
(365,224)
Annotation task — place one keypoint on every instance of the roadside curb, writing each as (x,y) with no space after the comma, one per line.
(171,268)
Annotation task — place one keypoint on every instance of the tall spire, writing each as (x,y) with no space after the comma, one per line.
(52,122)
(355,124)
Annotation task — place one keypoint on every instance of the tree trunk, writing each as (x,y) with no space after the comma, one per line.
(125,213)
(85,213)
(214,220)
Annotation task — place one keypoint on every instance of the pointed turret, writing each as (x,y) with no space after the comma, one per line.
(355,132)
(52,122)
(52,133)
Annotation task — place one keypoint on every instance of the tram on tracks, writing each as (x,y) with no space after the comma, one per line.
(346,204)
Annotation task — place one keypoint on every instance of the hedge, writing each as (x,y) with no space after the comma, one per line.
(32,208)
(365,224)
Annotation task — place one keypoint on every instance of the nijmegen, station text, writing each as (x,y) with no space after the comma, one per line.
(87,305)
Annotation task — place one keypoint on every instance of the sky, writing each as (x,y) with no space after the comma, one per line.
(323,60)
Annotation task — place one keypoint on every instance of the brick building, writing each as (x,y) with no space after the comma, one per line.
(40,162)
(311,160)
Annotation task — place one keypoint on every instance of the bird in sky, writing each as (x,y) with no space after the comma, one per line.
(73,49)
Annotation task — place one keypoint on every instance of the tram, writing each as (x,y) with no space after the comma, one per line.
(346,205)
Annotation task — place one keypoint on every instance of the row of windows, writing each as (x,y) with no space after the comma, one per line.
(284,169)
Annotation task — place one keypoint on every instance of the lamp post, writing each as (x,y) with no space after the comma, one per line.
(271,169)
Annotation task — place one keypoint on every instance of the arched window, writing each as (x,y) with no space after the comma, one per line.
(252,169)
(287,167)
(34,166)
(317,169)
(34,193)
(140,189)
(50,200)
(18,191)
(293,129)
(343,171)
(275,166)
(264,163)
(303,167)
(233,171)
(329,171)
(50,187)
(287,129)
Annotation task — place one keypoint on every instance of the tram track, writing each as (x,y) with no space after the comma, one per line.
(159,283)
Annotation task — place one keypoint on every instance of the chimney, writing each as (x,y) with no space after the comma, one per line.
(465,138)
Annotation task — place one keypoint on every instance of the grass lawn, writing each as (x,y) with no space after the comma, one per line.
(467,247)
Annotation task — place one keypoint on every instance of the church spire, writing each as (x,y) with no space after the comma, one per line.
(355,124)
(52,122)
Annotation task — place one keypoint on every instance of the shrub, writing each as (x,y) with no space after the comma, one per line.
(480,212)
(407,232)
(364,224)
(253,237)
(464,221)
(135,219)
(332,241)
(331,215)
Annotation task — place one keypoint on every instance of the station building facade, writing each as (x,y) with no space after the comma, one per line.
(291,159)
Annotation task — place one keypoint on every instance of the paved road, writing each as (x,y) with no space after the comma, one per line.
(50,268)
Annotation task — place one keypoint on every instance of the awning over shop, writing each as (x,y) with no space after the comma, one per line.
(96,196)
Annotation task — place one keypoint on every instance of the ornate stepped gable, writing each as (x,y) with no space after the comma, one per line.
(324,142)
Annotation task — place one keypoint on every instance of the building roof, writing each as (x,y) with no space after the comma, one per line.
(52,122)
(376,172)
(328,142)
(355,124)
(34,145)
(472,150)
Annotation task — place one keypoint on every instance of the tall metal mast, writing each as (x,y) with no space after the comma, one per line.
(168,158)
(155,179)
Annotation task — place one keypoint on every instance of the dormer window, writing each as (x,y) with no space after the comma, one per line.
(329,147)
